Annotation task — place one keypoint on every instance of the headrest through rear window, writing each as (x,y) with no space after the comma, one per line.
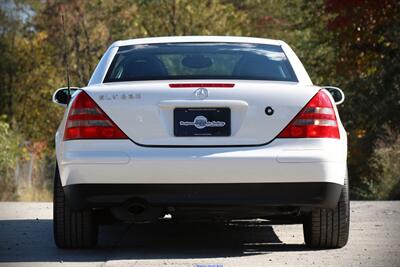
(142,66)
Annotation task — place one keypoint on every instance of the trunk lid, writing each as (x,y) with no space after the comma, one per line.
(145,110)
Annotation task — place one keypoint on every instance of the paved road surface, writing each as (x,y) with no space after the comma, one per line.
(26,240)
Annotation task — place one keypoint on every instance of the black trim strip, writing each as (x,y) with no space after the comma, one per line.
(303,194)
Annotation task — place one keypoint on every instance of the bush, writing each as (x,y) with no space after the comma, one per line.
(383,182)
(9,143)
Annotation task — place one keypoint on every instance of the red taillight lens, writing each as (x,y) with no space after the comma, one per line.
(316,120)
(87,121)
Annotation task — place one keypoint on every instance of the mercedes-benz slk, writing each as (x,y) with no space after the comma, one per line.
(200,128)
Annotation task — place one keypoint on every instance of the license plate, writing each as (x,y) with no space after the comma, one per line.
(202,122)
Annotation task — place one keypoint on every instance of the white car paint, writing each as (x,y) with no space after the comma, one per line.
(250,155)
(148,120)
(282,161)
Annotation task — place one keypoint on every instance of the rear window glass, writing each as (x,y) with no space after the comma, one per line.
(173,61)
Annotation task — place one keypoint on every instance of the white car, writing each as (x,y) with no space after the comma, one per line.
(201,128)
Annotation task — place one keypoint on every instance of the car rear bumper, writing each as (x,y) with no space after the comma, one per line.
(123,162)
(323,195)
(297,173)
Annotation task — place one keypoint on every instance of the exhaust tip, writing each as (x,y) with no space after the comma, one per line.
(136,208)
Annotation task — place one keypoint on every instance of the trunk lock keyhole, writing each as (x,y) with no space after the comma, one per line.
(269,111)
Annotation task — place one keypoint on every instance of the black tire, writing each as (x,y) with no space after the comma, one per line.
(72,229)
(329,228)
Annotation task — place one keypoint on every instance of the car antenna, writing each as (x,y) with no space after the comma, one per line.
(66,57)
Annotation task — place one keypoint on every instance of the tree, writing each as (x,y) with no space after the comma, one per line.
(368,33)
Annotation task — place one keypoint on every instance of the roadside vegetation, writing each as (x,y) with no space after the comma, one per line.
(350,44)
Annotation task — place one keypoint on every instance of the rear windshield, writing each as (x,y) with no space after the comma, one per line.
(171,61)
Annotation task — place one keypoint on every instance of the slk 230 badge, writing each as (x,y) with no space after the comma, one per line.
(120,96)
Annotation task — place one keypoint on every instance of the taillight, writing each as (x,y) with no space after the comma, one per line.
(86,120)
(316,120)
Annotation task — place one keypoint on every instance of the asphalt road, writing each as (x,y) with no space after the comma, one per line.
(26,240)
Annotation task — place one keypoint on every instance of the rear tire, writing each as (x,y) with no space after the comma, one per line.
(329,228)
(72,229)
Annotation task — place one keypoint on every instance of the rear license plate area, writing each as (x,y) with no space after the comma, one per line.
(202,122)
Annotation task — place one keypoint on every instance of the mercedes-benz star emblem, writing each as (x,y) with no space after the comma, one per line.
(201,93)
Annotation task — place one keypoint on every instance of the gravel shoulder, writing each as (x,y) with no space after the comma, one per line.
(26,239)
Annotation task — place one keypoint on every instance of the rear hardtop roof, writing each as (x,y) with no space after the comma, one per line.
(196,39)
